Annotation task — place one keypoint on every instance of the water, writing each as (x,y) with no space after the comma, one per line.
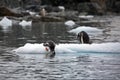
(66,66)
(84,67)
(39,32)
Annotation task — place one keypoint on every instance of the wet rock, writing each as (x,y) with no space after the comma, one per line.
(71,15)
(90,8)
(67,15)
(46,19)
(24,13)
(51,19)
(50,8)
(117,7)
(35,8)
(4,11)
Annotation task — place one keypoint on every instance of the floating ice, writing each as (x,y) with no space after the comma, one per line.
(89,30)
(32,48)
(25,23)
(37,15)
(83,48)
(61,8)
(86,16)
(5,22)
(71,48)
(70,23)
(31,13)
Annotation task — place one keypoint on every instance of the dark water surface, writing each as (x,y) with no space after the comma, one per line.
(63,67)
(37,33)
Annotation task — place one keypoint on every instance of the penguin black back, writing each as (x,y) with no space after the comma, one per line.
(83,37)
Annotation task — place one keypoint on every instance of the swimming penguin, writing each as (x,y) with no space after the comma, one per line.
(51,46)
(83,37)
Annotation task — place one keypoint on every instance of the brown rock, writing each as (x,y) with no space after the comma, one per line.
(51,19)
(4,11)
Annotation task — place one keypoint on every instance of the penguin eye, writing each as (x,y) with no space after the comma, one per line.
(46,44)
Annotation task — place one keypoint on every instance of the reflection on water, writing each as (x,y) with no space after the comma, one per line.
(1,34)
(39,32)
(62,67)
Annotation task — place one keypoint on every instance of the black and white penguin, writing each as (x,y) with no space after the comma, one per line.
(83,37)
(51,46)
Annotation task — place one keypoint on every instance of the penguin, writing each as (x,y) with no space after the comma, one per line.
(51,45)
(83,37)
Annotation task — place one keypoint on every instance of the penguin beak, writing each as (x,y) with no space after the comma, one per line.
(46,48)
(46,45)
